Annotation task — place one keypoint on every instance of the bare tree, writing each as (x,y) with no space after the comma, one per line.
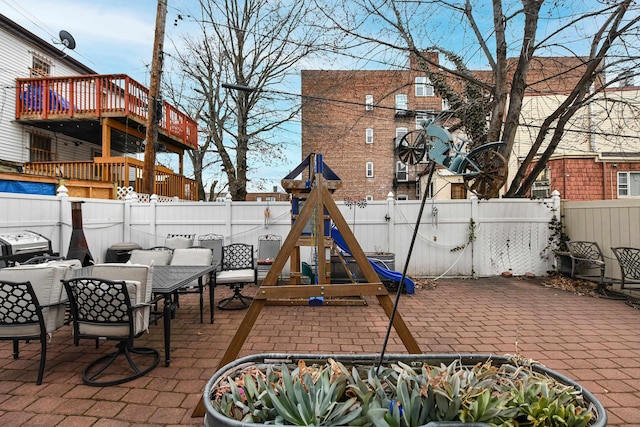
(489,104)
(253,45)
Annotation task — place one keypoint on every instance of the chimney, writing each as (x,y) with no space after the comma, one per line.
(78,247)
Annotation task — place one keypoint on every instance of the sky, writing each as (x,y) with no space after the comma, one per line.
(116,37)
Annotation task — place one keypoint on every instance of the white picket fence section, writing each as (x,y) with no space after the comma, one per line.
(456,238)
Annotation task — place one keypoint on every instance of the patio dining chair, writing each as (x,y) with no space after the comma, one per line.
(238,269)
(117,309)
(194,256)
(268,248)
(179,241)
(629,262)
(215,242)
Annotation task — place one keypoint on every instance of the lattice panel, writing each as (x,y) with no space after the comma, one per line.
(17,304)
(101,301)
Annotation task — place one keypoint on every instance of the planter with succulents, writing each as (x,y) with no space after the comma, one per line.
(404,391)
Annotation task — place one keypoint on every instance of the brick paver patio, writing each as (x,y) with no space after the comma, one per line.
(594,341)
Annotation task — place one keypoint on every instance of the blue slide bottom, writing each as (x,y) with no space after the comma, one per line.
(394,276)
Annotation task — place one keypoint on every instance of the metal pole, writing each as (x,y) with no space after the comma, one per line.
(151,137)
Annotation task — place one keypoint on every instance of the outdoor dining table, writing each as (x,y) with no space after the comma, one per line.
(166,280)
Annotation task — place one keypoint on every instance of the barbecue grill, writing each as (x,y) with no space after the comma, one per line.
(20,246)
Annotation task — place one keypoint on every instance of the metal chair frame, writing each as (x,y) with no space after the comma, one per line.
(19,306)
(98,302)
(237,256)
(629,262)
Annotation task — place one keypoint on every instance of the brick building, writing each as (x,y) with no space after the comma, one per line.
(355,117)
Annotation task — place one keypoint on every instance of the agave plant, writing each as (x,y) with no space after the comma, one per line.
(399,394)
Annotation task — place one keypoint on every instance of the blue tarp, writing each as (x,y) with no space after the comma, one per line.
(25,187)
(394,276)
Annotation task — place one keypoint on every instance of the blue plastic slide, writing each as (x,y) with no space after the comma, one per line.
(385,273)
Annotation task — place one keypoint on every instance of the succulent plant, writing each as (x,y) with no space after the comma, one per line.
(399,395)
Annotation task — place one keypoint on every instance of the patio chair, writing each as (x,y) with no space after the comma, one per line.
(114,305)
(268,248)
(155,256)
(587,259)
(629,262)
(179,241)
(215,243)
(194,256)
(238,269)
(32,305)
(42,259)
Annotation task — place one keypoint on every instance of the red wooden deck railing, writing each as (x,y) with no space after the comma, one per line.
(98,96)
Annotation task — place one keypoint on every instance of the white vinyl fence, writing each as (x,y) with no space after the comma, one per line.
(462,238)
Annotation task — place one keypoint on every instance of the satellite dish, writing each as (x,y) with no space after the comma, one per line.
(67,39)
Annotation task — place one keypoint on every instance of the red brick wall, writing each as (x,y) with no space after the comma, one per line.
(334,123)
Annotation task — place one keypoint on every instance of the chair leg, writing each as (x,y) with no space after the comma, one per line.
(16,349)
(201,291)
(43,359)
(244,300)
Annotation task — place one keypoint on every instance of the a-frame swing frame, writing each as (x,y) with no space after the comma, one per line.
(320,199)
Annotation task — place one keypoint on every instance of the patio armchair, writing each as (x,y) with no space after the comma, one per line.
(215,242)
(238,269)
(113,304)
(32,304)
(200,257)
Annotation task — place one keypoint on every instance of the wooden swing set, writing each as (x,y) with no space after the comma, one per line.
(316,193)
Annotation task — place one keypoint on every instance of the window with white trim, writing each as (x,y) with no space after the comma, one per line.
(445,104)
(424,87)
(402,197)
(368,102)
(402,102)
(369,198)
(369,136)
(369,170)
(402,174)
(400,132)
(628,184)
(541,187)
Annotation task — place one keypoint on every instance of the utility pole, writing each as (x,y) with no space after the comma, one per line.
(151,137)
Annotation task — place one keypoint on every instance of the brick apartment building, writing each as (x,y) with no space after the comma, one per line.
(354,117)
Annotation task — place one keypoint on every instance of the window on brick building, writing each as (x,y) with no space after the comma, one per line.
(368,102)
(402,197)
(424,87)
(40,148)
(369,136)
(445,104)
(369,170)
(402,102)
(369,198)
(401,172)
(628,184)
(400,132)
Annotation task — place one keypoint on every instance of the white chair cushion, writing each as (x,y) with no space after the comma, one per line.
(246,275)
(47,284)
(146,257)
(193,256)
(178,242)
(140,293)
